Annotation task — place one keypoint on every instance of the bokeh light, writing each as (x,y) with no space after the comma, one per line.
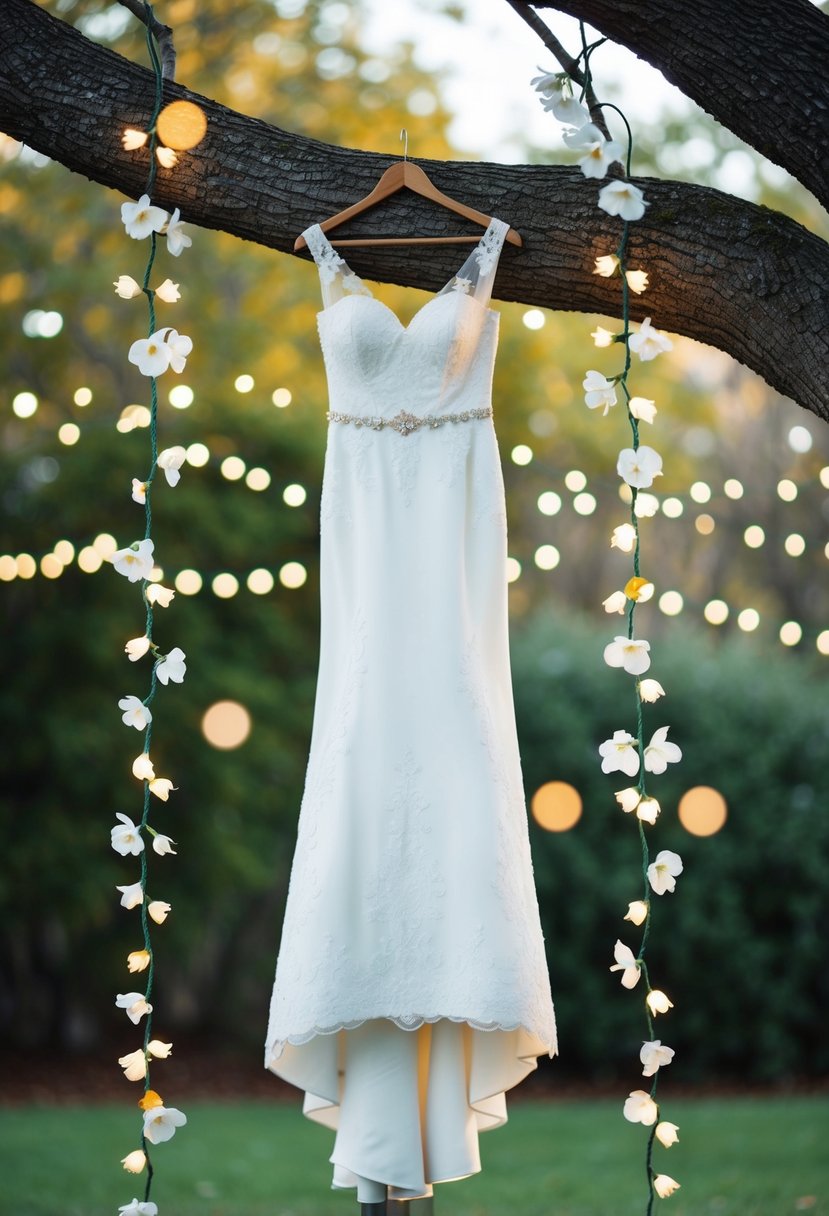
(702,810)
(716,612)
(244,383)
(549,503)
(754,536)
(534,318)
(513,569)
(584,504)
(281,398)
(547,557)
(748,620)
(672,507)
(671,603)
(233,467)
(733,488)
(225,585)
(69,433)
(188,582)
(181,396)
(575,480)
(800,440)
(790,633)
(293,575)
(521,454)
(786,490)
(700,492)
(83,396)
(226,724)
(258,479)
(260,581)
(197,455)
(24,404)
(556,806)
(794,544)
(294,495)
(704,524)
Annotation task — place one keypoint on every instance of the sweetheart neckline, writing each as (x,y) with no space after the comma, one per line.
(405,328)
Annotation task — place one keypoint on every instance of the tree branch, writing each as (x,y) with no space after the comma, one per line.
(757,66)
(739,277)
(162,34)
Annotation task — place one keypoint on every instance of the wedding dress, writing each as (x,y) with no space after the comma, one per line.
(411,987)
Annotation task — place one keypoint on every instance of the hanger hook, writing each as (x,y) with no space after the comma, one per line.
(404,135)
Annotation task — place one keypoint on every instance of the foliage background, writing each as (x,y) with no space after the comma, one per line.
(739,945)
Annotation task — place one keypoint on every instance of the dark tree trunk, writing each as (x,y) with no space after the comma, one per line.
(740,277)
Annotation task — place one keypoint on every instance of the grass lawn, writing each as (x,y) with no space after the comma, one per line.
(736,1157)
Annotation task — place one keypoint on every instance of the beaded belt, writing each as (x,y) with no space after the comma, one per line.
(407,424)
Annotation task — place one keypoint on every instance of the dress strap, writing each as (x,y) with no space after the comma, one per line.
(337,279)
(477,275)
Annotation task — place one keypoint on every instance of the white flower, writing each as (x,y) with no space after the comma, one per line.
(134,1065)
(168,292)
(131,895)
(628,799)
(665,1185)
(177,238)
(567,110)
(161,786)
(159,910)
(650,690)
(607,265)
(622,199)
(599,153)
(134,1163)
(139,491)
(637,912)
(141,218)
(663,872)
(142,767)
(171,460)
(139,1209)
(649,342)
(659,753)
(640,1108)
(653,1055)
(159,594)
(616,602)
(126,836)
(602,337)
(639,589)
(624,538)
(627,964)
(666,1133)
(160,1123)
(159,1050)
(136,561)
(136,647)
(150,355)
(548,82)
(658,1002)
(136,713)
(135,1003)
(179,346)
(637,280)
(166,157)
(172,666)
(132,140)
(642,408)
(647,810)
(138,960)
(629,653)
(126,287)
(639,466)
(646,505)
(598,390)
(618,754)
(163,844)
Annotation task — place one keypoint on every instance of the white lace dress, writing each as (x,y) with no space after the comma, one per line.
(411,985)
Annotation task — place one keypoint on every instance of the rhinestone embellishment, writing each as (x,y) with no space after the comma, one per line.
(404,423)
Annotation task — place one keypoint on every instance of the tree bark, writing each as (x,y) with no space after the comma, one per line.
(731,274)
(757,66)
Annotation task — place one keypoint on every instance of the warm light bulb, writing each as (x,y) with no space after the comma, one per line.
(181,125)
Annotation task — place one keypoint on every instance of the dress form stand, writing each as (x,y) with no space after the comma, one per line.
(399,1207)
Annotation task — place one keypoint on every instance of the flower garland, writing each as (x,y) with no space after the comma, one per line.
(163,349)
(638,466)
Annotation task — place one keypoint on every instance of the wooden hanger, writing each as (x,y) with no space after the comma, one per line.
(404,174)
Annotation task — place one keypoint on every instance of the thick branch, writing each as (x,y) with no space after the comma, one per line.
(757,66)
(162,34)
(740,277)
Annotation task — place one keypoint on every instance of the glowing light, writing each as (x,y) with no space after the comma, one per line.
(704,524)
(822,642)
(132,139)
(513,569)
(549,503)
(89,560)
(716,612)
(41,324)
(790,633)
(786,490)
(700,492)
(24,404)
(521,454)
(646,504)
(575,480)
(233,467)
(105,544)
(800,440)
(754,536)
(748,620)
(534,318)
(188,582)
(733,488)
(197,455)
(225,586)
(281,398)
(132,416)
(672,507)
(243,384)
(64,551)
(51,566)
(294,495)
(8,568)
(584,504)
(625,493)
(83,396)
(794,544)
(26,565)
(824,477)
(181,125)
(547,557)
(69,433)
(258,479)
(671,603)
(226,724)
(260,581)
(702,810)
(292,575)
(181,396)
(556,806)
(156,575)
